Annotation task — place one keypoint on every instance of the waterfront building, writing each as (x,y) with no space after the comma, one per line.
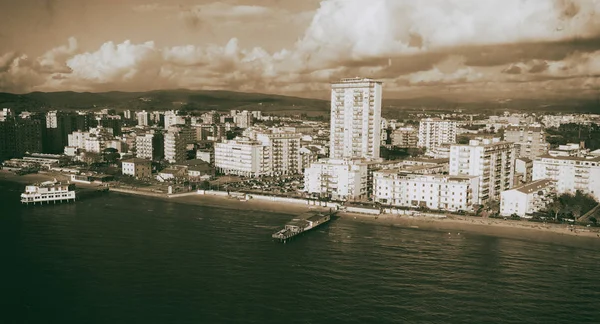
(355,130)
(530,140)
(283,148)
(571,173)
(242,156)
(434,132)
(49,191)
(138,168)
(491,160)
(527,199)
(399,188)
(338,179)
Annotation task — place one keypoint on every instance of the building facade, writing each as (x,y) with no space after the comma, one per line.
(175,143)
(527,199)
(432,191)
(405,137)
(150,146)
(531,140)
(491,160)
(570,173)
(139,168)
(338,179)
(242,156)
(355,119)
(434,132)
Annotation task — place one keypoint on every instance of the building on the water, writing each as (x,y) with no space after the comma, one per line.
(47,192)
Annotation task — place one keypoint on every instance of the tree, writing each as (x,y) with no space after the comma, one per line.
(555,207)
(110,155)
(204,185)
(91,158)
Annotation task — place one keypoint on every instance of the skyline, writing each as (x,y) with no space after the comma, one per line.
(449,49)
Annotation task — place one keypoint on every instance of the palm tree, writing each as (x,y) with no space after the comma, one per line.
(555,207)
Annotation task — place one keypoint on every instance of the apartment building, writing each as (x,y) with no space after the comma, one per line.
(95,140)
(175,145)
(571,173)
(143,118)
(531,140)
(405,137)
(491,160)
(527,199)
(434,132)
(355,130)
(172,118)
(344,179)
(150,146)
(434,191)
(242,156)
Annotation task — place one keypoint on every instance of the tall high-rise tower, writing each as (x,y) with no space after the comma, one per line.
(355,119)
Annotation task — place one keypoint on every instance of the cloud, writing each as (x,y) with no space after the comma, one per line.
(18,73)
(512,69)
(55,59)
(345,28)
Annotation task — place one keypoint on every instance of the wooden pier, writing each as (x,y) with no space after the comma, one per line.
(301,224)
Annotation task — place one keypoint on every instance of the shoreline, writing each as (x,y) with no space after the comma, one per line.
(465,224)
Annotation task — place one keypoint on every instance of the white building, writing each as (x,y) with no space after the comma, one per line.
(355,119)
(242,156)
(175,145)
(171,119)
(434,132)
(139,168)
(531,140)
(434,191)
(570,173)
(143,118)
(242,119)
(149,146)
(569,149)
(491,160)
(283,148)
(526,199)
(344,179)
(96,140)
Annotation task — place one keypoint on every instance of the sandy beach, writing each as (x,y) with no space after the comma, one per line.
(452,224)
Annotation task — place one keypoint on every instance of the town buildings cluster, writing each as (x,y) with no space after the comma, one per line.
(340,160)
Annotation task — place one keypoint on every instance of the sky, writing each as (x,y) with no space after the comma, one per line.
(479,49)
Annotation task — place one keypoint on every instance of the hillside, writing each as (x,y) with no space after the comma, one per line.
(162,100)
(270,103)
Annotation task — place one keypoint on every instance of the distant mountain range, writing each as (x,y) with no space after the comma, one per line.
(226,100)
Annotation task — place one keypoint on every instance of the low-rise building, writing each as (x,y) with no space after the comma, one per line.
(434,191)
(527,199)
(139,168)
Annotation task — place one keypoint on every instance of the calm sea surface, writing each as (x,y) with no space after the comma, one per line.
(123,259)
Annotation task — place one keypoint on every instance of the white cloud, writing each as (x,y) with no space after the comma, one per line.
(55,59)
(352,30)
